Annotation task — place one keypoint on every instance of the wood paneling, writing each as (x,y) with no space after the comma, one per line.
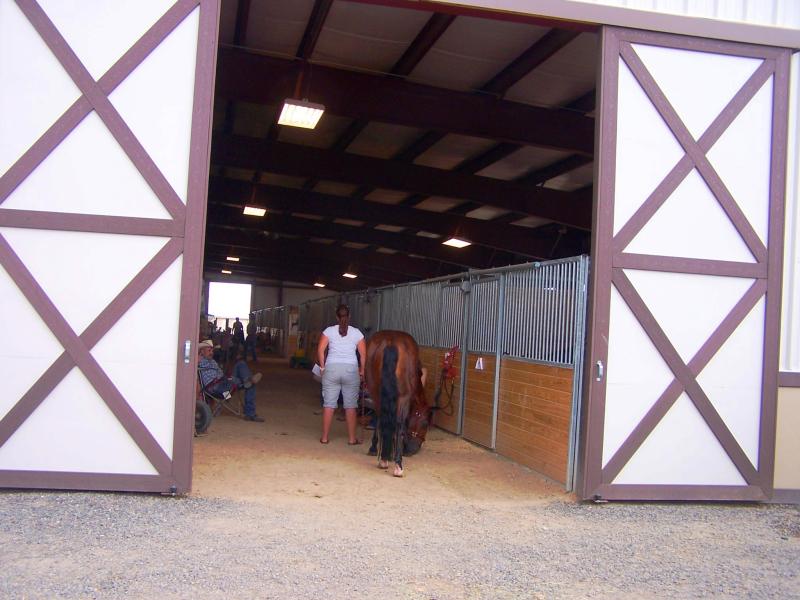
(534,415)
(479,399)
(534,409)
(447,417)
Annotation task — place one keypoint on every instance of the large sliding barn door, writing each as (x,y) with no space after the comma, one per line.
(687,263)
(104,129)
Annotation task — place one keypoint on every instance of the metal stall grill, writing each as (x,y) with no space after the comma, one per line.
(528,319)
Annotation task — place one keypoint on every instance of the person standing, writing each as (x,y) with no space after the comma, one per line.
(250,340)
(342,371)
(238,334)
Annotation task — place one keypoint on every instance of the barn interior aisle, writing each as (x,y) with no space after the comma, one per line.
(282,462)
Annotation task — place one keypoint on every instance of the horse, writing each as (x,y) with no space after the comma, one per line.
(394,378)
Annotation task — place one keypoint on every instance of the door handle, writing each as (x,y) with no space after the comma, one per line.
(600,370)
(187,349)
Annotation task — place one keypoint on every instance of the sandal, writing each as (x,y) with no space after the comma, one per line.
(356,443)
(321,441)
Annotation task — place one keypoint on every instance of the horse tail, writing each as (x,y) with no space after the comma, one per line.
(389,391)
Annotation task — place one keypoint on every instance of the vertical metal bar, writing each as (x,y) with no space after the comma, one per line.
(498,355)
(466,307)
(581,296)
(558,296)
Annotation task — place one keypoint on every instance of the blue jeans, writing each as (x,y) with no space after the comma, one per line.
(250,347)
(241,372)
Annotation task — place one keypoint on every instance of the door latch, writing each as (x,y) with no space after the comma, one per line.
(187,349)
(600,370)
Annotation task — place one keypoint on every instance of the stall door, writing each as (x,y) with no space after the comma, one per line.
(105,122)
(686,281)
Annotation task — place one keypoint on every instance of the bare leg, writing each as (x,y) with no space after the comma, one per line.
(327,419)
(351,417)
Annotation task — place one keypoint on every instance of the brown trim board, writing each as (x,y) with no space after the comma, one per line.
(77,350)
(788,380)
(193,241)
(599,297)
(684,166)
(765,271)
(95,97)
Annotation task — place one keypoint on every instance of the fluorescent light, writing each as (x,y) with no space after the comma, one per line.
(232,258)
(226,272)
(300,113)
(456,243)
(256,211)
(349,275)
(319,285)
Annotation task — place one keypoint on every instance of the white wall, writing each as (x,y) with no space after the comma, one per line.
(270,296)
(790,322)
(777,13)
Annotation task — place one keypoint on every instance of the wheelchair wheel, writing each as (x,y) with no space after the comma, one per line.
(202,416)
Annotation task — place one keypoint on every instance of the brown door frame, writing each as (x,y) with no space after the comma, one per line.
(185,228)
(609,260)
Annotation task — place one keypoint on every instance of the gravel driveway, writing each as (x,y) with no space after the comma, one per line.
(274,514)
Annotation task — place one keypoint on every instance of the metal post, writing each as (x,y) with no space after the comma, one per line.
(498,356)
(465,336)
(581,292)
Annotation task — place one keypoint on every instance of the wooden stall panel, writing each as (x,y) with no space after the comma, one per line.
(534,415)
(479,399)
(447,417)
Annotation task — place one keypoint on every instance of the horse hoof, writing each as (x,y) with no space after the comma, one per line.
(398,471)
(383,464)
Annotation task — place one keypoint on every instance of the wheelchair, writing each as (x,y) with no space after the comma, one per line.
(210,404)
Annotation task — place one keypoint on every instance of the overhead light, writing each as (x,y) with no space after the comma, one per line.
(319,285)
(232,258)
(226,272)
(256,211)
(300,113)
(457,243)
(349,275)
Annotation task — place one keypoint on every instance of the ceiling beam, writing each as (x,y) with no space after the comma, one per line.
(289,159)
(230,242)
(470,257)
(313,28)
(279,273)
(550,43)
(260,79)
(331,270)
(519,240)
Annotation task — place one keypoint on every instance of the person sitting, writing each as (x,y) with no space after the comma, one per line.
(213,379)
(242,376)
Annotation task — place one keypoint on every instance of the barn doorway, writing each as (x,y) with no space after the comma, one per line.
(437,125)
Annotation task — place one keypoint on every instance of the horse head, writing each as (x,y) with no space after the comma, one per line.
(418,422)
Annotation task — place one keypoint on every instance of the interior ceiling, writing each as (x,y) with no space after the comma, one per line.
(436,124)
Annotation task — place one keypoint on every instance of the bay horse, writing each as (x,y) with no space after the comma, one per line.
(394,378)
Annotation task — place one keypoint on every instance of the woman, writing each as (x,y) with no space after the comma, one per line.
(342,371)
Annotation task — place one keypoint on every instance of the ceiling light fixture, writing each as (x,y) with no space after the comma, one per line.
(256,211)
(232,258)
(457,243)
(300,113)
(226,272)
(318,284)
(349,275)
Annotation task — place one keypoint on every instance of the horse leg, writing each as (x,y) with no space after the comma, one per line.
(373,449)
(398,448)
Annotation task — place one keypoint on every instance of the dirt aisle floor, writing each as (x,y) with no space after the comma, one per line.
(282,459)
(275,514)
